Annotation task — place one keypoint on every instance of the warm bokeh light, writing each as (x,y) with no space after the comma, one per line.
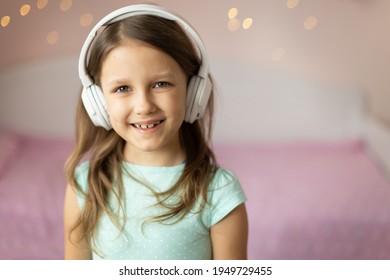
(86,19)
(292,3)
(24,10)
(234,25)
(233,12)
(65,5)
(247,23)
(278,54)
(53,38)
(310,23)
(5,21)
(41,4)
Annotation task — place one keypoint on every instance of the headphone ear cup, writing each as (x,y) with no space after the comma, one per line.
(198,94)
(95,105)
(191,94)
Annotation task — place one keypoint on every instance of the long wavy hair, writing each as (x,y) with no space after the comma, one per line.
(105,148)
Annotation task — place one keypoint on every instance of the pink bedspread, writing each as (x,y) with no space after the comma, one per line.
(312,201)
(317,201)
(32,187)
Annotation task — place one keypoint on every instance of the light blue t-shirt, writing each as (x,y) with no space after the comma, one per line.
(186,239)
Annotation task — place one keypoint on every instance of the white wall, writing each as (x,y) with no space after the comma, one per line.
(253,103)
(350,43)
(262,104)
(40,98)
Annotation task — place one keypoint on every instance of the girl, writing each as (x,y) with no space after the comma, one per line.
(151,188)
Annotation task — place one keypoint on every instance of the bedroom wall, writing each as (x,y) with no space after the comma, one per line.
(333,43)
(253,103)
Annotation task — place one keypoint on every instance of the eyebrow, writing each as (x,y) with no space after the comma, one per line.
(121,81)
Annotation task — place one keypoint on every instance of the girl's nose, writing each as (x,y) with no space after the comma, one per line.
(143,103)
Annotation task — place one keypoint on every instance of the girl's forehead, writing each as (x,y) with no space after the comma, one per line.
(135,51)
(135,59)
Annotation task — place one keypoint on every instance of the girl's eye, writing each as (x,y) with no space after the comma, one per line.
(161,84)
(122,89)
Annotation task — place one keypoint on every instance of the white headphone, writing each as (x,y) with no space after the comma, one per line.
(199,86)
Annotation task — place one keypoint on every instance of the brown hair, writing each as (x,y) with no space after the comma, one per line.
(105,148)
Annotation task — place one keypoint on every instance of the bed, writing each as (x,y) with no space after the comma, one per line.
(313,201)
(305,200)
(314,165)
(32,188)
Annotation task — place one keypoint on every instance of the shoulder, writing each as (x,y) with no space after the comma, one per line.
(224,181)
(222,177)
(225,194)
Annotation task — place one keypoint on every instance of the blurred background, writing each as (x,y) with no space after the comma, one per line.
(303,119)
(331,42)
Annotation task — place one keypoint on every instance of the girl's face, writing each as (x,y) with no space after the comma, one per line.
(145,91)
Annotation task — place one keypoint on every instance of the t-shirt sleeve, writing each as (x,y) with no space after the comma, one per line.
(224,195)
(81,174)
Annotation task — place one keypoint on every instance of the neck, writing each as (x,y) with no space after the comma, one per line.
(170,157)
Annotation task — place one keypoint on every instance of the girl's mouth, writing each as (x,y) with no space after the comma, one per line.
(147,126)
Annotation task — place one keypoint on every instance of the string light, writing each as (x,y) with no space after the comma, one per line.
(233,12)
(65,5)
(41,4)
(310,23)
(292,4)
(86,20)
(5,21)
(247,23)
(53,38)
(234,24)
(24,10)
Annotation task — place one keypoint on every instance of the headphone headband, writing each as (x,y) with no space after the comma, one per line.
(134,10)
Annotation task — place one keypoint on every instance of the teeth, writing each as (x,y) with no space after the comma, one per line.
(146,126)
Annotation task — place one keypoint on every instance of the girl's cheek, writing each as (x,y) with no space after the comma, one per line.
(117,111)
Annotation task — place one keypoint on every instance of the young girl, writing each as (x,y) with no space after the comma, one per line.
(151,188)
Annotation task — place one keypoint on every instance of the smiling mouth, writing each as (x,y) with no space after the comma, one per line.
(146,126)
